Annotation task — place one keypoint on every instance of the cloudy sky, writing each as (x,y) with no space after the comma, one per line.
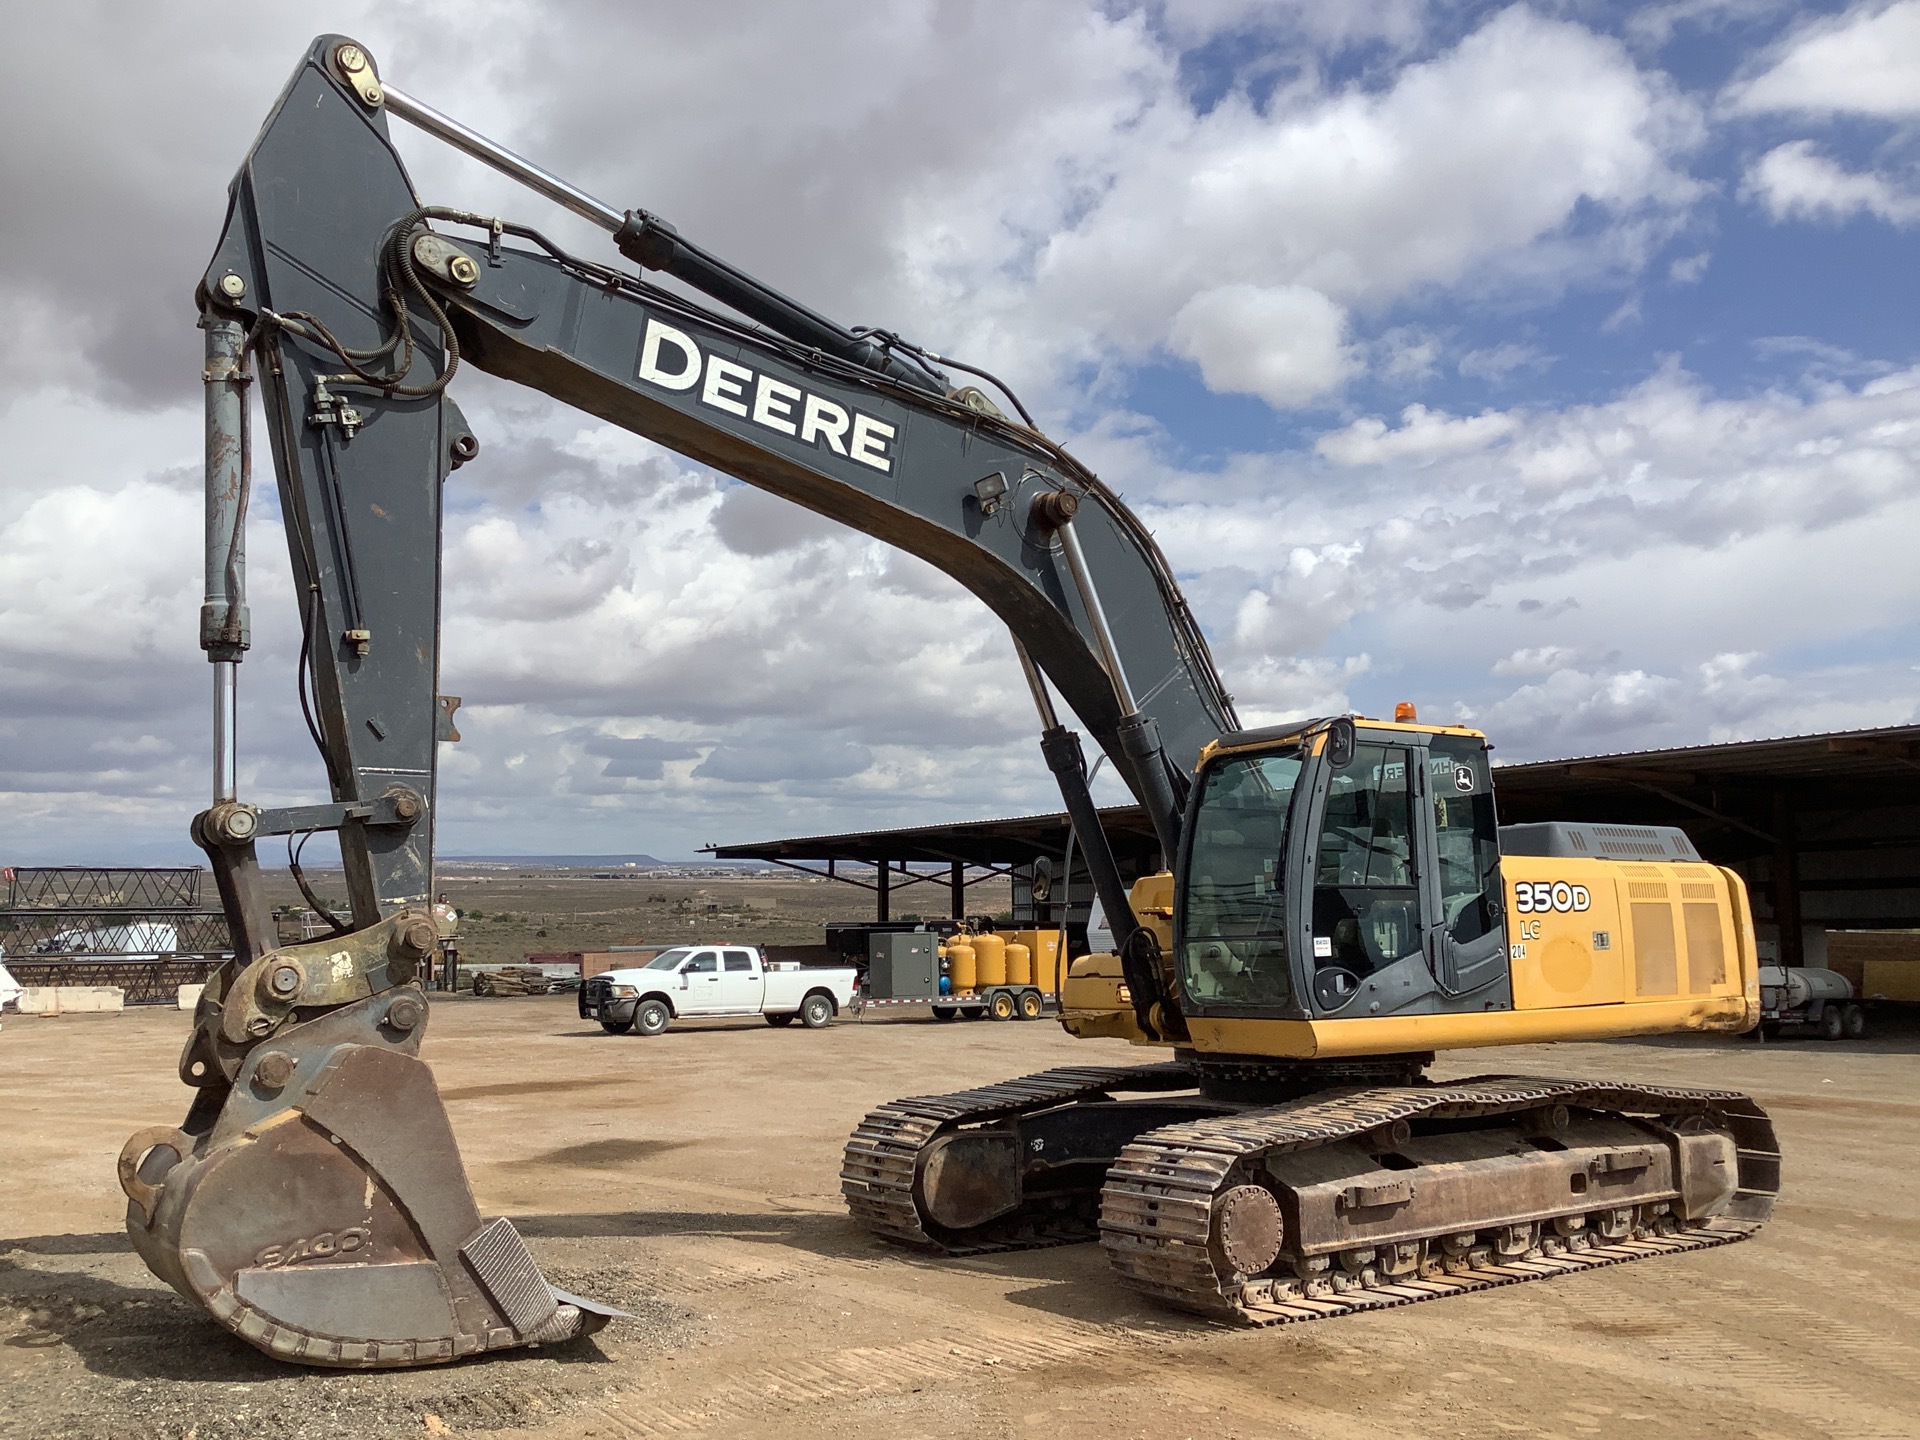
(1553,366)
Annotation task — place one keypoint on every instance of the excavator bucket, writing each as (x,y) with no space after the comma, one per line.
(320,1211)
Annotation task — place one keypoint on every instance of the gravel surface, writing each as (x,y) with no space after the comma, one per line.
(692,1180)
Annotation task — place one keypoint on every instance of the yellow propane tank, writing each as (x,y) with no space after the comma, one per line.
(1043,946)
(960,967)
(1019,964)
(991,953)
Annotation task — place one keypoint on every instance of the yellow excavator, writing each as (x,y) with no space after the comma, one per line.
(1338,904)
(1343,907)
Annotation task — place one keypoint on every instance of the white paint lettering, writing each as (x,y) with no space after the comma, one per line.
(650,369)
(773,405)
(726,386)
(871,438)
(826,421)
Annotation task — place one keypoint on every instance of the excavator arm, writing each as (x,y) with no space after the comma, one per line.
(314,1200)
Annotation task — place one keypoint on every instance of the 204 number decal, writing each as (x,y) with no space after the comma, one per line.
(1546,897)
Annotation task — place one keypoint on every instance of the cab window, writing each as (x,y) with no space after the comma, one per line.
(1233,947)
(1366,900)
(705,963)
(1466,834)
(738,961)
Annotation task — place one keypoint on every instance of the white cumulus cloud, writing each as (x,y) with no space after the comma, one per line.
(1795,182)
(1286,344)
(1863,63)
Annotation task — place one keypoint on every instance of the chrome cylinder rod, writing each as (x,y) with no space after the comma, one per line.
(1097,617)
(1037,683)
(471,142)
(226,730)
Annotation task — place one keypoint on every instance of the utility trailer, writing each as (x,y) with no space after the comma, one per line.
(913,968)
(1807,997)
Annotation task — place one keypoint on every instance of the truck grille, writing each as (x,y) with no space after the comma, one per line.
(594,994)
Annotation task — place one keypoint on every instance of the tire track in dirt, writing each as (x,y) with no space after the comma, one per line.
(862,1372)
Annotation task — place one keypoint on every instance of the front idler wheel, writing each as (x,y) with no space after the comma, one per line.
(1246,1231)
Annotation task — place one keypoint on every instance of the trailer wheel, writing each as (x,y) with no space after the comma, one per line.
(1833,1024)
(974,1012)
(1000,1005)
(652,1018)
(1031,1004)
(946,1012)
(815,1011)
(617,1027)
(780,1022)
(1853,1020)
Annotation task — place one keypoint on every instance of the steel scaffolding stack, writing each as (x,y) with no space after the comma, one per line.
(147,931)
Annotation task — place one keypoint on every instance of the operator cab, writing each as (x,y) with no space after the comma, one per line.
(1342,870)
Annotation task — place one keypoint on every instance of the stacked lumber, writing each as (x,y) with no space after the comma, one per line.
(511,980)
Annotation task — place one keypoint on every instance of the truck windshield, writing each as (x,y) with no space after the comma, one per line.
(669,959)
(1233,943)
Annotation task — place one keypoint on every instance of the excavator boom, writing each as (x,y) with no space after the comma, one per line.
(353,304)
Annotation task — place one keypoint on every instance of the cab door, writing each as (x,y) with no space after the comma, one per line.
(700,974)
(740,987)
(1466,930)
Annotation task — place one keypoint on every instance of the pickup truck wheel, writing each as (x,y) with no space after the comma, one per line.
(1000,1005)
(780,1022)
(815,1011)
(652,1018)
(617,1027)
(1031,1004)
(1833,1024)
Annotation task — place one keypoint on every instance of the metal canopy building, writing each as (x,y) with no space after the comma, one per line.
(956,857)
(1825,829)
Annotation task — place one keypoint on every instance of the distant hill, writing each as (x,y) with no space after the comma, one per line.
(601,862)
(645,861)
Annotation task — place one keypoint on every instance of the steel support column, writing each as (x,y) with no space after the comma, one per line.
(1786,882)
(882,892)
(958,881)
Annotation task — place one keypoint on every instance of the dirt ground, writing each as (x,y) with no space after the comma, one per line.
(691,1179)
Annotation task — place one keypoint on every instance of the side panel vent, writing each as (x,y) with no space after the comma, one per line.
(1706,954)
(1656,964)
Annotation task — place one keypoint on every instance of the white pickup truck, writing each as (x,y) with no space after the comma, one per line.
(698,980)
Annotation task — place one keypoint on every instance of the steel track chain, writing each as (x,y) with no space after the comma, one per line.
(1157,1204)
(882,1157)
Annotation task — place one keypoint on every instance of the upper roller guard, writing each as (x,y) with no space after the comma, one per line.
(1389,1196)
(317,1206)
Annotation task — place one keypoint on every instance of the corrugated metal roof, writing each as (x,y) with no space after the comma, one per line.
(1009,840)
(1887,753)
(1885,760)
